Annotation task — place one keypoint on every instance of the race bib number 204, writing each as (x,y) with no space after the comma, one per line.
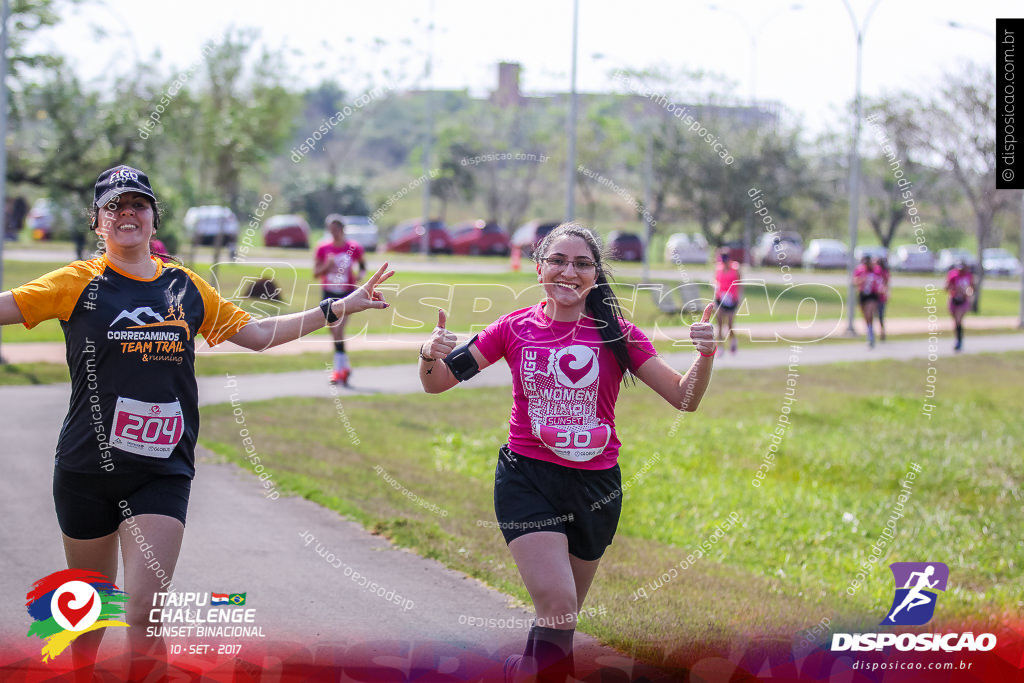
(149,429)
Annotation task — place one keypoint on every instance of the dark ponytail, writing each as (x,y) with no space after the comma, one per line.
(602,305)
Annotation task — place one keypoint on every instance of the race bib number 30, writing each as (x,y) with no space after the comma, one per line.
(149,429)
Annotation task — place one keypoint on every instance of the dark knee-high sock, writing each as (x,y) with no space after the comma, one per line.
(549,652)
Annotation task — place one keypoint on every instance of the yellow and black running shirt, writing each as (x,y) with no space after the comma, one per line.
(131,352)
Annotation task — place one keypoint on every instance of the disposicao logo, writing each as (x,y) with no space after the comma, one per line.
(71,602)
(916,583)
(913,604)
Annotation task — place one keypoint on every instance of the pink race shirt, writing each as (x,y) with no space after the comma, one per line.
(958,283)
(872,279)
(727,289)
(341,276)
(565,383)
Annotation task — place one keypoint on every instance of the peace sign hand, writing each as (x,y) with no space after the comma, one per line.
(366,296)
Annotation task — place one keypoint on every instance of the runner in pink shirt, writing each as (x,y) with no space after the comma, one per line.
(960,285)
(339,264)
(868,282)
(882,268)
(727,296)
(557,488)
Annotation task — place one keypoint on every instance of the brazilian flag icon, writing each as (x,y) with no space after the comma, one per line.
(237,598)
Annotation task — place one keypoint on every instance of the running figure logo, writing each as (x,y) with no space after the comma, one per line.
(916,583)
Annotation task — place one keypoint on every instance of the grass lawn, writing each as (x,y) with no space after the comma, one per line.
(475,300)
(799,539)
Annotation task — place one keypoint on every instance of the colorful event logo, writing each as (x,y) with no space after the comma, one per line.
(71,602)
(916,583)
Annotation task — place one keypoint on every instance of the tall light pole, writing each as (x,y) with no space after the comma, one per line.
(4,11)
(754,33)
(570,169)
(859,31)
(429,141)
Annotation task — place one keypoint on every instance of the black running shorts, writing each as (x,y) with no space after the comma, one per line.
(535,495)
(91,505)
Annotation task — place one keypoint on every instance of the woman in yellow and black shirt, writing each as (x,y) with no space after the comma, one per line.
(126,449)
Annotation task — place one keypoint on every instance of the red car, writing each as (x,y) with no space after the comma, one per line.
(286,231)
(408,237)
(625,246)
(479,237)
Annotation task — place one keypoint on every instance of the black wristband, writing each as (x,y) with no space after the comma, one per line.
(328,311)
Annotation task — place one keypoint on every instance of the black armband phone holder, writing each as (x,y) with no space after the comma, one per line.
(461,362)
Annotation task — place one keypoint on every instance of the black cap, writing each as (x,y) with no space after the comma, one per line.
(119,180)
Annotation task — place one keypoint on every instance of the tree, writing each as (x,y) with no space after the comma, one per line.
(505,152)
(893,182)
(245,115)
(956,127)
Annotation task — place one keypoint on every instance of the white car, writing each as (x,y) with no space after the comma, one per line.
(683,248)
(913,258)
(1000,262)
(875,251)
(826,253)
(950,257)
(203,223)
(362,231)
(779,249)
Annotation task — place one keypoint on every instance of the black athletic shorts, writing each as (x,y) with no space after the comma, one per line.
(727,309)
(329,294)
(867,296)
(535,495)
(91,505)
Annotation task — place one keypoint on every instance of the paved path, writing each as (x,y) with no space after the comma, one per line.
(53,352)
(239,540)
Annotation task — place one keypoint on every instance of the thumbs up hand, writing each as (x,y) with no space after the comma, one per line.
(441,341)
(702,333)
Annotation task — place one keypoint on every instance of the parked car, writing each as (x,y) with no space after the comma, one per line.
(997,261)
(480,238)
(42,219)
(826,253)
(683,248)
(950,257)
(528,235)
(779,249)
(363,231)
(203,223)
(737,252)
(625,246)
(407,237)
(913,258)
(286,231)
(875,251)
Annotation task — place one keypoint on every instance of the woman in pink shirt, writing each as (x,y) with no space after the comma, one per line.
(868,281)
(557,489)
(960,285)
(727,296)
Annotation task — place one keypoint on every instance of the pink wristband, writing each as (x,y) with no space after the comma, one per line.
(709,355)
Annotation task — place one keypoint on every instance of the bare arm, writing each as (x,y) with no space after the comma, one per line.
(9,311)
(260,335)
(684,392)
(435,375)
(321,266)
